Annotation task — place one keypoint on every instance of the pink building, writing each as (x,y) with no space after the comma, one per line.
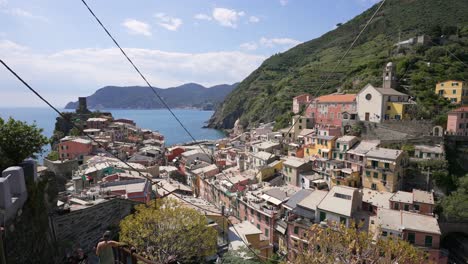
(328,109)
(457,121)
(299,101)
(74,148)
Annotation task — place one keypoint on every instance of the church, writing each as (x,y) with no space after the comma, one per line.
(377,104)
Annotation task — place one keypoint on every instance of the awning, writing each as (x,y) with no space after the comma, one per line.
(280,229)
(270,199)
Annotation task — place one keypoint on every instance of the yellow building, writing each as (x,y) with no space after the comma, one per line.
(398,110)
(384,170)
(346,177)
(455,91)
(265,173)
(322,146)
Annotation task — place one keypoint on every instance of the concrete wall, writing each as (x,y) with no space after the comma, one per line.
(62,168)
(84,227)
(13,193)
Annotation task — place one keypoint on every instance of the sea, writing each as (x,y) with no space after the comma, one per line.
(155,119)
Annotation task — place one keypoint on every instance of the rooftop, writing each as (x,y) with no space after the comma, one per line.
(96,119)
(339,200)
(297,197)
(325,137)
(389,91)
(294,162)
(205,169)
(263,155)
(376,198)
(306,132)
(430,149)
(459,110)
(402,197)
(420,196)
(313,200)
(164,187)
(338,98)
(195,152)
(384,153)
(267,145)
(346,138)
(403,220)
(238,232)
(364,146)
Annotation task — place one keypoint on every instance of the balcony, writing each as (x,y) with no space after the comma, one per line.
(380,169)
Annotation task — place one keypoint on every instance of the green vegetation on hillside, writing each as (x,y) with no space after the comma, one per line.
(266,94)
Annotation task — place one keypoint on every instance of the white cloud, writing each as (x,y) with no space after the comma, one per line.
(254,19)
(168,22)
(137,27)
(3,3)
(227,17)
(82,71)
(283,2)
(272,42)
(18,12)
(249,46)
(203,17)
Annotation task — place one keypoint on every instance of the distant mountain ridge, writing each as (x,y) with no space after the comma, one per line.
(190,95)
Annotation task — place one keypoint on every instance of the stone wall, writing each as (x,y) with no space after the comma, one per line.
(62,168)
(84,227)
(396,130)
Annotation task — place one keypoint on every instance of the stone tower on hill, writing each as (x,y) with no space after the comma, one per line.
(82,106)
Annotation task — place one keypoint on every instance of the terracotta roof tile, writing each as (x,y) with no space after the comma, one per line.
(460,109)
(338,98)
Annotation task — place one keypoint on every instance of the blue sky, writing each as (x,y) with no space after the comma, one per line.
(60,50)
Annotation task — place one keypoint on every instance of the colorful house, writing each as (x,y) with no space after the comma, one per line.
(300,101)
(385,169)
(328,109)
(422,231)
(292,167)
(321,147)
(340,205)
(75,148)
(457,122)
(455,91)
(417,201)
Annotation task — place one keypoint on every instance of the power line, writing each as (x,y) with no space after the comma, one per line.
(154,91)
(333,71)
(151,87)
(100,145)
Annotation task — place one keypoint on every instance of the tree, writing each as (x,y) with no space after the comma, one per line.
(455,206)
(240,256)
(165,230)
(75,132)
(350,245)
(18,141)
(53,155)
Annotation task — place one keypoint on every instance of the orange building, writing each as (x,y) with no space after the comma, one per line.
(75,148)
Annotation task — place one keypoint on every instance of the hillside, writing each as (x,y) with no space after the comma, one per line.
(140,97)
(265,95)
